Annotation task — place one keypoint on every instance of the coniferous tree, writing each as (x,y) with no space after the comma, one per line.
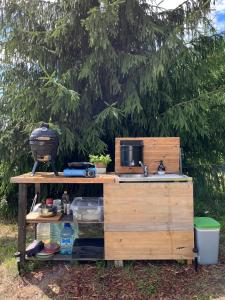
(122,68)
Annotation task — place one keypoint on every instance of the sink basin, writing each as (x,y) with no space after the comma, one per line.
(131,175)
(152,178)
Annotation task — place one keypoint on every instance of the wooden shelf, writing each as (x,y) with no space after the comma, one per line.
(81,251)
(33,218)
(63,219)
(54,257)
(61,257)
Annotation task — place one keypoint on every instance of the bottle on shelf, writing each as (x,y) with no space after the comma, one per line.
(67,239)
(66,203)
(56,229)
(161,168)
(44,232)
(57,201)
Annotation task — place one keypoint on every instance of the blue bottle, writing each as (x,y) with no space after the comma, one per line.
(66,241)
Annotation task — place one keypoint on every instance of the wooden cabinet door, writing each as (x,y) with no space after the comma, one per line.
(148,220)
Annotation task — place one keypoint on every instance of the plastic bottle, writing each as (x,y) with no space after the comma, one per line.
(161,167)
(66,242)
(65,201)
(44,232)
(56,232)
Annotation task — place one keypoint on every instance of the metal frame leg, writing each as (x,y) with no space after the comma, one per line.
(22,211)
(54,168)
(35,167)
(37,191)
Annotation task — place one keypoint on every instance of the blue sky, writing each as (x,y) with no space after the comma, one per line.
(218,14)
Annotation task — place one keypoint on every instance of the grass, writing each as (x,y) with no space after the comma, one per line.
(8,242)
(8,246)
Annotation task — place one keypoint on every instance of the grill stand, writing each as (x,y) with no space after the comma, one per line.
(36,164)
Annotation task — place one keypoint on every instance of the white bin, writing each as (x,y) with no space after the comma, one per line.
(207,232)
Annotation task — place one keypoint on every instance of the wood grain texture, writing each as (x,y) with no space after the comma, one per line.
(148,220)
(149,245)
(148,206)
(37,188)
(155,149)
(33,217)
(46,177)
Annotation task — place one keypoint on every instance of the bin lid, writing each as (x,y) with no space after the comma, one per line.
(206,223)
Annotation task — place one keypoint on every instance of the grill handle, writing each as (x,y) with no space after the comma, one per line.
(43,138)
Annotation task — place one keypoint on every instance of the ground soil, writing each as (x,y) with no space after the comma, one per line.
(136,280)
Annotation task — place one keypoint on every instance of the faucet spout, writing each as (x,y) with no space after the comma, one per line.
(145,168)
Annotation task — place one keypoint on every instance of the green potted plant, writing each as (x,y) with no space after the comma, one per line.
(100,161)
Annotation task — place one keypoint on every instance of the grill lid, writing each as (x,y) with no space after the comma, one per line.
(43,133)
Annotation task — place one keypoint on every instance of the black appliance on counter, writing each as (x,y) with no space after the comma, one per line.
(131,153)
(44,144)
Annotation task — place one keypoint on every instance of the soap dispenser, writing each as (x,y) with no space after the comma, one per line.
(161,168)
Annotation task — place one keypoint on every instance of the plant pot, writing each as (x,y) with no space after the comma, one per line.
(100,168)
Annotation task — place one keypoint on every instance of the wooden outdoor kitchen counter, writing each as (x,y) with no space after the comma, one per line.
(148,218)
(45,177)
(142,220)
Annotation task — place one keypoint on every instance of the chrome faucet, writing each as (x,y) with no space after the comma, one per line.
(145,168)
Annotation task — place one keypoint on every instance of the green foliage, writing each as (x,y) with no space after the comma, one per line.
(133,70)
(96,159)
(4,208)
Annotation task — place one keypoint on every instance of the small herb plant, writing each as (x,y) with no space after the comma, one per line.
(100,159)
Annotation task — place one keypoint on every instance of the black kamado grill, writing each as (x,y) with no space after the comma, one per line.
(44,144)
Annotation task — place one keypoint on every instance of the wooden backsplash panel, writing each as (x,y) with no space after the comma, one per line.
(155,149)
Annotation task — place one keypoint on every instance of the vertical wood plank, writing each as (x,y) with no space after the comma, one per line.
(37,188)
(22,210)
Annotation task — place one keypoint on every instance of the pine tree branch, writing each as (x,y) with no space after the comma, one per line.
(193,100)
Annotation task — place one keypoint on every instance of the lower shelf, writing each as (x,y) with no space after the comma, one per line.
(61,257)
(84,249)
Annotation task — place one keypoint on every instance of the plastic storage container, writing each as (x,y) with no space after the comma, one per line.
(66,244)
(87,209)
(207,231)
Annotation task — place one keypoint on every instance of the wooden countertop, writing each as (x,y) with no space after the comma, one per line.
(46,177)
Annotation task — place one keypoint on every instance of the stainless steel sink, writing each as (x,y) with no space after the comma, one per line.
(133,178)
(152,178)
(131,175)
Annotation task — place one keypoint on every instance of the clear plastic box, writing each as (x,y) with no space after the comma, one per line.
(87,209)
